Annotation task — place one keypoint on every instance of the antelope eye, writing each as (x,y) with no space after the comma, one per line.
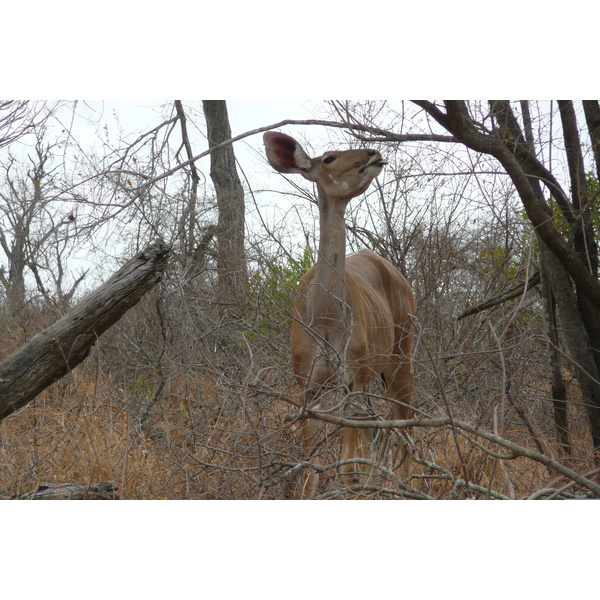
(329,159)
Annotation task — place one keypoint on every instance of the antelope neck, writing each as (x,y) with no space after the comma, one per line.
(330,292)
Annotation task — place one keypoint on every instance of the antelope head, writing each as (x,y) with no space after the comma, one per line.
(340,175)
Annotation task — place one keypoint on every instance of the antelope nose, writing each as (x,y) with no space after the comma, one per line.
(375,154)
(375,158)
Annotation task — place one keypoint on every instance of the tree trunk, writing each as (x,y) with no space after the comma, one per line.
(14,281)
(576,337)
(231,261)
(54,352)
(559,388)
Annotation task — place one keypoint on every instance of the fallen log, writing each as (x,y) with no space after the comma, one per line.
(105,490)
(54,352)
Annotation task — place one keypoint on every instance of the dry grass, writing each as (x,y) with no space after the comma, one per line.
(215,424)
(210,440)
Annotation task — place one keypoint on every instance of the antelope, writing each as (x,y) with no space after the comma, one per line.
(352,315)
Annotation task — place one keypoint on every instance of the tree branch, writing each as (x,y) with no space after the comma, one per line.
(458,122)
(389,136)
(515,292)
(462,427)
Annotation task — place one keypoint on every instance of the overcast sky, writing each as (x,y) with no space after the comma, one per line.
(244,115)
(266,210)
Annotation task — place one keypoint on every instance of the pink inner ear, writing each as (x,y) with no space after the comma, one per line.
(284,148)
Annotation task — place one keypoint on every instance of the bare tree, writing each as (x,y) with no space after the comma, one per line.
(570,263)
(19,118)
(232,269)
(36,228)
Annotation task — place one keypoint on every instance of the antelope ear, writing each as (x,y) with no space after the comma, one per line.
(285,154)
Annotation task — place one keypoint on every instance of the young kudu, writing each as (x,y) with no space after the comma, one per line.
(353,314)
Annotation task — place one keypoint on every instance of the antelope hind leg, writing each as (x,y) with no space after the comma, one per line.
(368,449)
(349,441)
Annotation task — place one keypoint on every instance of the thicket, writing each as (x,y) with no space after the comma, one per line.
(191,394)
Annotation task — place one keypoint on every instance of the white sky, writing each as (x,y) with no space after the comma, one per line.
(244,115)
(136,116)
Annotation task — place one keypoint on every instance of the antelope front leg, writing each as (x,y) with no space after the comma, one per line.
(348,452)
(400,391)
(310,431)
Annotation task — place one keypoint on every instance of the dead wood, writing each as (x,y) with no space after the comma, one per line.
(54,352)
(105,490)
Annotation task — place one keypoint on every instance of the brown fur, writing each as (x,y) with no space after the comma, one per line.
(352,315)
